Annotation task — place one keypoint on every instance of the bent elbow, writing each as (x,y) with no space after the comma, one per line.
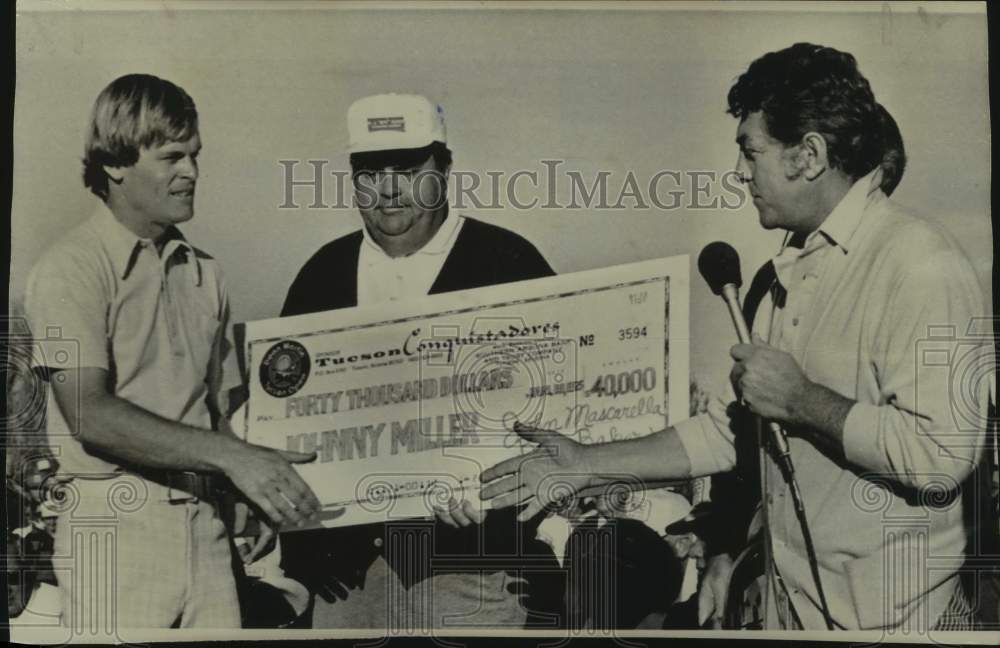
(89,421)
(945,474)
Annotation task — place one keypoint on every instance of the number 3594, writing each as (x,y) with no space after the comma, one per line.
(632,333)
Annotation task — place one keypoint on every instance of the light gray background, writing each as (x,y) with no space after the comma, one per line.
(616,89)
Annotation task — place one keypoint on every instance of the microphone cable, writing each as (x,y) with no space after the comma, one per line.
(788,471)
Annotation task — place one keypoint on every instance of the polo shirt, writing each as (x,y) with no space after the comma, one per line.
(157,321)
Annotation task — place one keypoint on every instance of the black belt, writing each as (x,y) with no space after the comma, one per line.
(182,486)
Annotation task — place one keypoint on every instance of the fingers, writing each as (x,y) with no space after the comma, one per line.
(736,376)
(297,457)
(737,372)
(263,544)
(533,434)
(294,488)
(516,496)
(533,508)
(282,507)
(476,514)
(268,480)
(301,495)
(444,514)
(502,469)
(269,510)
(287,509)
(499,487)
(253,552)
(460,514)
(244,549)
(741,351)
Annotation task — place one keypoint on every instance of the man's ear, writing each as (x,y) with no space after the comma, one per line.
(813,153)
(116,174)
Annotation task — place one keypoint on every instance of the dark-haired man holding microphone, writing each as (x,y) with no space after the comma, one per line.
(834,361)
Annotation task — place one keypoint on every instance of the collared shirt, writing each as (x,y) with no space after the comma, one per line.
(382,278)
(876,306)
(798,268)
(157,321)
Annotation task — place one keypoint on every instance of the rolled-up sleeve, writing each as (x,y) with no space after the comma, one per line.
(708,437)
(933,379)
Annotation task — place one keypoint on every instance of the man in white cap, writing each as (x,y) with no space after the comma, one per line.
(410,246)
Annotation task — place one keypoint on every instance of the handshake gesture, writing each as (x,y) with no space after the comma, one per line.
(554,472)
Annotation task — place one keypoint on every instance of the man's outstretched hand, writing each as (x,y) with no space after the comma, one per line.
(548,476)
(266,477)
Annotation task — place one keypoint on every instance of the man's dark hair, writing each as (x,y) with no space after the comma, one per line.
(402,158)
(134,111)
(893,154)
(810,88)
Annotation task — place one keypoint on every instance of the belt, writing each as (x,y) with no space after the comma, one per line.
(181,486)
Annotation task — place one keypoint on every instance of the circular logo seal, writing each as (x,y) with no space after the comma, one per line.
(284,369)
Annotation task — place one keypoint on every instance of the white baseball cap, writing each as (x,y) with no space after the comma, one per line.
(394,121)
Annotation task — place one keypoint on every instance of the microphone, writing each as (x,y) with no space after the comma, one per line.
(719,264)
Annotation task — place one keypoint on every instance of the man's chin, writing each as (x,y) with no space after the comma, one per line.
(393,226)
(393,234)
(767,220)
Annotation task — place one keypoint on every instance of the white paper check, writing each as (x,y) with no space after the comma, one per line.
(405,404)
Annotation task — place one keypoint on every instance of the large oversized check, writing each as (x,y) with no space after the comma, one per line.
(406,403)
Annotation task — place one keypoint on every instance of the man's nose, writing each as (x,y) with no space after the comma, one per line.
(388,184)
(189,168)
(743,169)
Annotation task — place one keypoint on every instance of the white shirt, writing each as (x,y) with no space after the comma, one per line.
(382,278)
(880,308)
